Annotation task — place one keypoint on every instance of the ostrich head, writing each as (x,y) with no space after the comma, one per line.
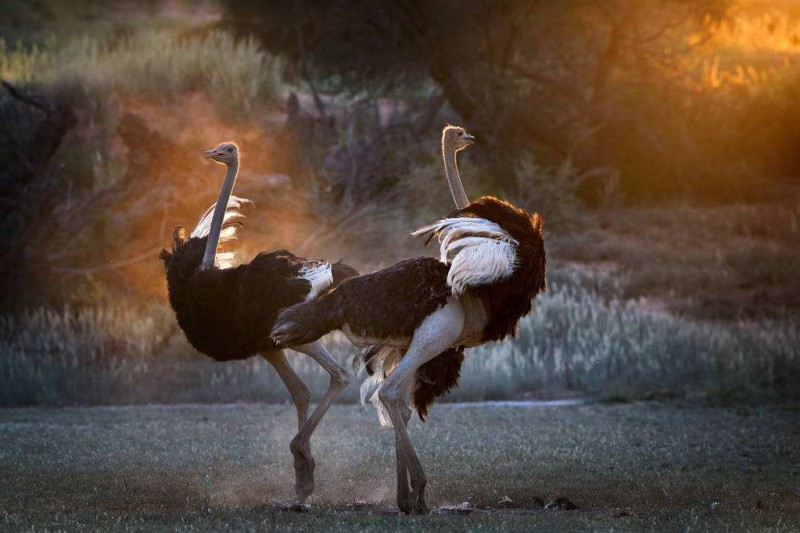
(225,153)
(455,138)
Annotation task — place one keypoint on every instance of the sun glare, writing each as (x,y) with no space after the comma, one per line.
(758,41)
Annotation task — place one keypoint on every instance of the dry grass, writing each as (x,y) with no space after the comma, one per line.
(157,63)
(735,262)
(578,341)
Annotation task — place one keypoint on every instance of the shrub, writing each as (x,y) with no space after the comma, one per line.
(577,340)
(236,74)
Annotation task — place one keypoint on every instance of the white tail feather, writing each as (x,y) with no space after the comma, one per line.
(480,252)
(319,274)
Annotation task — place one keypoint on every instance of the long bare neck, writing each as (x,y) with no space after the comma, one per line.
(219,216)
(453,178)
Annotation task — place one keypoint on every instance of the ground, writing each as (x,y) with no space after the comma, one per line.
(663,466)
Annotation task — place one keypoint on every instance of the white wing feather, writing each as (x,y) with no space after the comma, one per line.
(319,274)
(480,252)
(228,233)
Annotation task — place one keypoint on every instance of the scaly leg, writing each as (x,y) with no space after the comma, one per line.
(297,389)
(301,443)
(402,469)
(438,331)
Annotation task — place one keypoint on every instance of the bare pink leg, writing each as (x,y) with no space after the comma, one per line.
(297,389)
(301,443)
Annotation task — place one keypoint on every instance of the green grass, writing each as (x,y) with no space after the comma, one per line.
(639,466)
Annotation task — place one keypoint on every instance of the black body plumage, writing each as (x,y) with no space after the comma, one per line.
(436,378)
(227,314)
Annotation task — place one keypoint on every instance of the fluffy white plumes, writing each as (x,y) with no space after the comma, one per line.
(225,260)
(481,264)
(479,251)
(319,274)
(231,214)
(229,229)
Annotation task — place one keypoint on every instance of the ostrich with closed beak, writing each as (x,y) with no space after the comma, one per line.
(424,312)
(227,312)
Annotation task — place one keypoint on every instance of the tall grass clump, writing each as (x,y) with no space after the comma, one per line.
(107,356)
(76,356)
(577,340)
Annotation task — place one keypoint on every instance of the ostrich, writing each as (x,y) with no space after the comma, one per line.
(423,312)
(227,312)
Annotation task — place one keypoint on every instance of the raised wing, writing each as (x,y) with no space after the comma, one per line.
(231,223)
(317,272)
(480,252)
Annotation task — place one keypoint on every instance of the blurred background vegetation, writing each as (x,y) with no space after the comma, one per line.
(659,139)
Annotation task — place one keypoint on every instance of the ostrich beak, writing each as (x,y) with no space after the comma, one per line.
(210,153)
(468,137)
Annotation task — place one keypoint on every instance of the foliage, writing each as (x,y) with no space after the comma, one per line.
(671,99)
(162,64)
(577,340)
(732,262)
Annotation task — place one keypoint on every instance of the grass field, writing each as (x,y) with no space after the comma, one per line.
(661,466)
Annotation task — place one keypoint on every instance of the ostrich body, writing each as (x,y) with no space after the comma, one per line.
(424,312)
(227,312)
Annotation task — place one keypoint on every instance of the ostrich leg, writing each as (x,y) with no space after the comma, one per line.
(437,332)
(301,443)
(402,469)
(297,389)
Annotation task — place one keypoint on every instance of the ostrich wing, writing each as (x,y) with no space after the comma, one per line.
(317,272)
(480,252)
(231,222)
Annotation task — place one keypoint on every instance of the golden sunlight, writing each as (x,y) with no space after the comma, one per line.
(757,41)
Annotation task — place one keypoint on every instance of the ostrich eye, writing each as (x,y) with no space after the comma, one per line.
(460,133)
(230,149)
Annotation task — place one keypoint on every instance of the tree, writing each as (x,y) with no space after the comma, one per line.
(519,72)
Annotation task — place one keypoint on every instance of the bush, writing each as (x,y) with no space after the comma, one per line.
(576,340)
(85,356)
(236,74)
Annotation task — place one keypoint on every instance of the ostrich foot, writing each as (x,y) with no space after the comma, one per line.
(304,466)
(404,499)
(420,505)
(404,503)
(294,506)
